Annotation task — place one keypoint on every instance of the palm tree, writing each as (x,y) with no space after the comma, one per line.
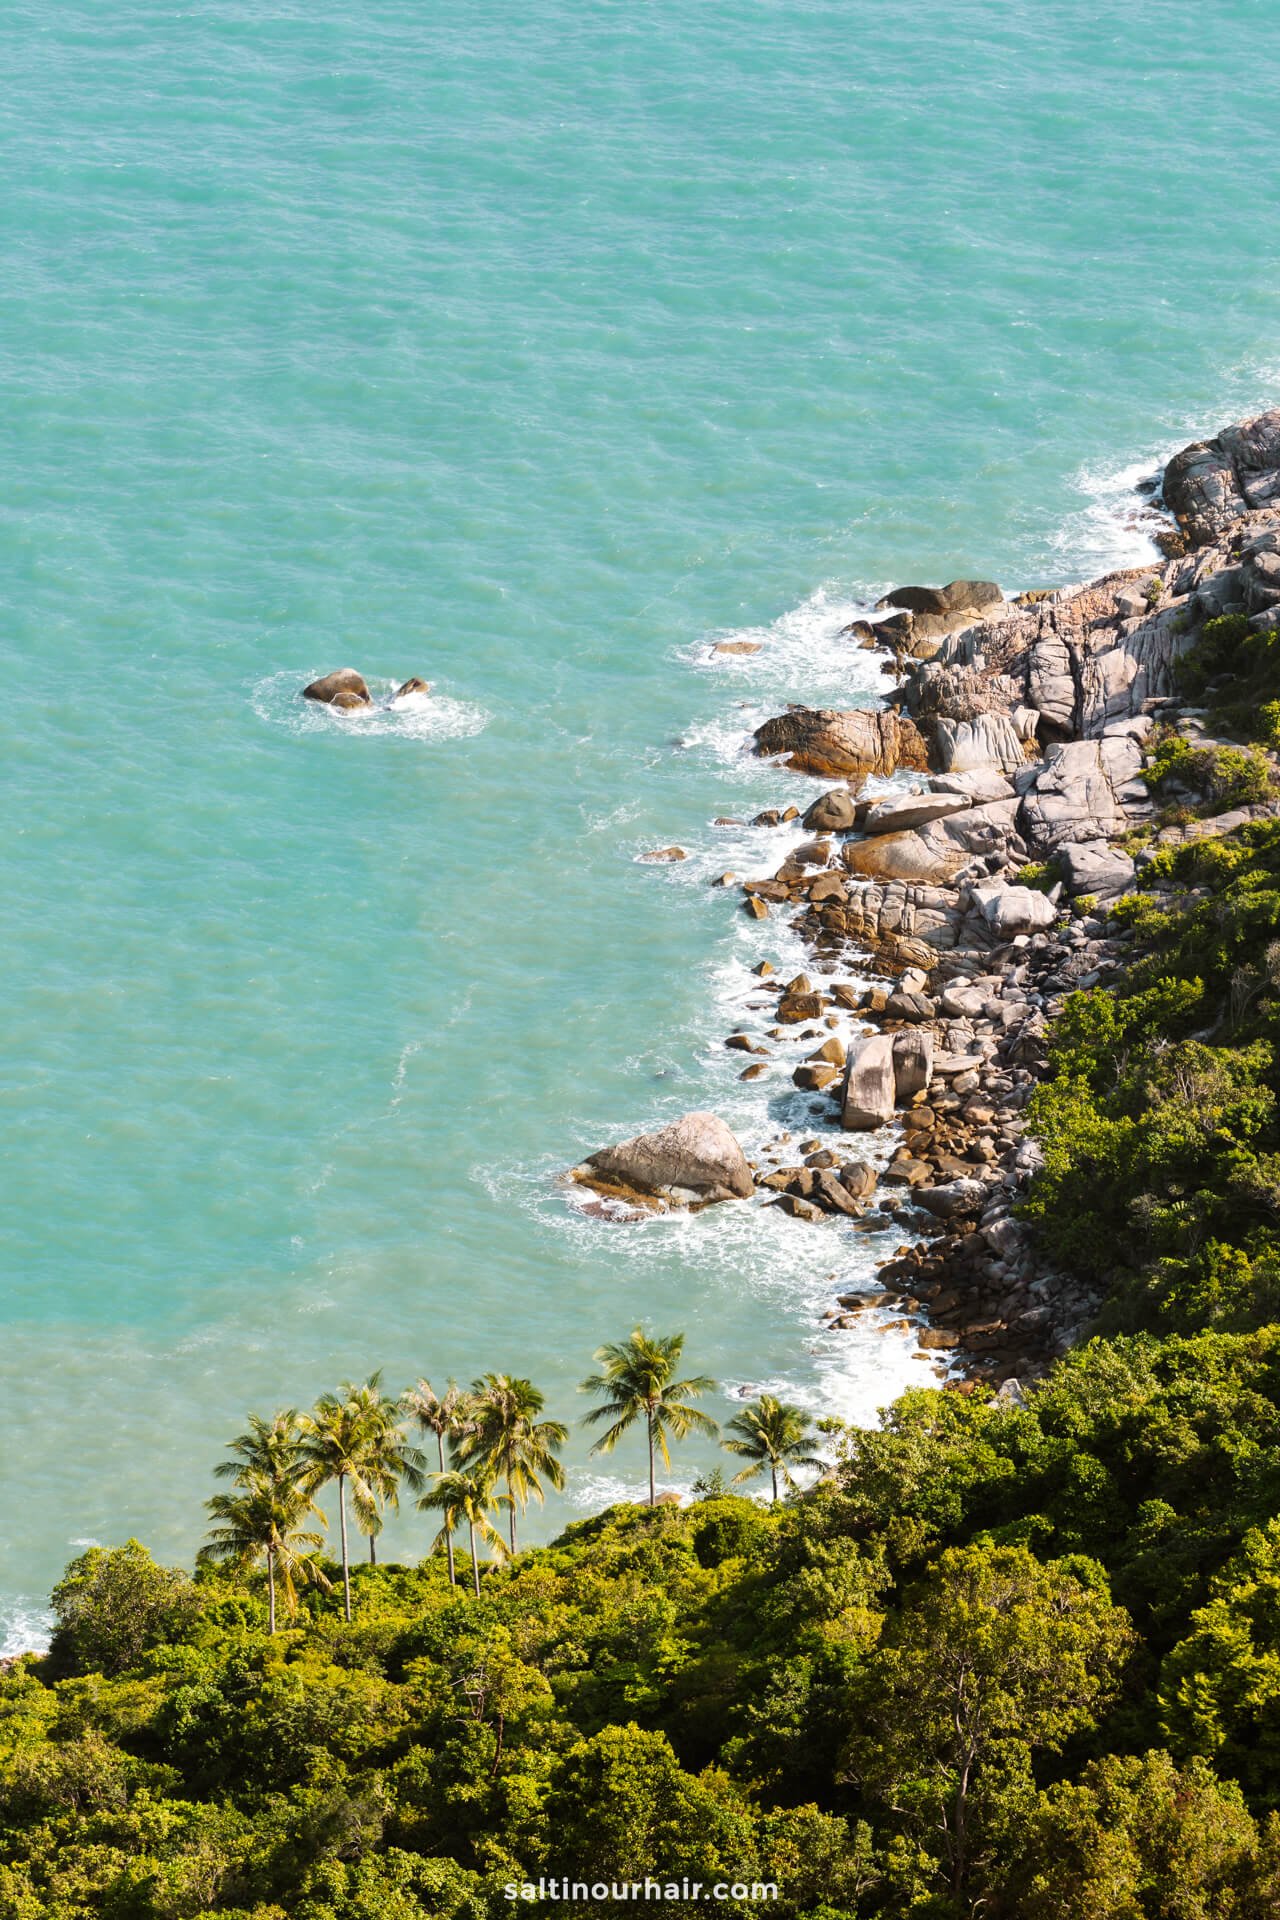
(444,1414)
(773,1435)
(389,1458)
(637,1382)
(460,1496)
(505,1438)
(260,1522)
(347,1439)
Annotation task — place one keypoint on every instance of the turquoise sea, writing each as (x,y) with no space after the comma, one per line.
(530,348)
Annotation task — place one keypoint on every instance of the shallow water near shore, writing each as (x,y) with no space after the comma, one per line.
(532,353)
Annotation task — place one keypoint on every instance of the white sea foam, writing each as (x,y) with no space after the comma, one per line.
(426,717)
(25,1627)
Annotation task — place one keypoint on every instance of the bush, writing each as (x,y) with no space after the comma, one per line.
(113,1605)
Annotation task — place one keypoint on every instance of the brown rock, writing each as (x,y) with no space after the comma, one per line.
(850,743)
(665,853)
(413,685)
(344,689)
(736,646)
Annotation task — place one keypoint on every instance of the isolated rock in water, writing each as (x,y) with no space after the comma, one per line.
(912,1064)
(868,1095)
(833,812)
(344,689)
(665,853)
(959,596)
(849,743)
(411,687)
(736,646)
(1013,910)
(696,1160)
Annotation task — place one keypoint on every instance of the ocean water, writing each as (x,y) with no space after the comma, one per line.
(532,350)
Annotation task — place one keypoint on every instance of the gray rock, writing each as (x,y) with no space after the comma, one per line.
(867,1098)
(952,1197)
(990,740)
(1093,867)
(901,814)
(695,1159)
(912,1064)
(1011,910)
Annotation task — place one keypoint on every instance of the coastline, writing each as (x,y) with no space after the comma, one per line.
(976,898)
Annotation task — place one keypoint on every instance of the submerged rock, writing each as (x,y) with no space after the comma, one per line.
(409,688)
(695,1161)
(345,689)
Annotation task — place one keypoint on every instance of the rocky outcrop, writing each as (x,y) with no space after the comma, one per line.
(344,689)
(834,812)
(694,1162)
(850,743)
(1210,486)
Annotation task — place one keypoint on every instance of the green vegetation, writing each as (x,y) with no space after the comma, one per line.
(1160,1123)
(1237,671)
(1222,776)
(1016,1661)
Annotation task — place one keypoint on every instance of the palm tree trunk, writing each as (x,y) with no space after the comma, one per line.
(448,1538)
(373,1551)
(653,1498)
(475,1564)
(271,1589)
(511,1515)
(346,1565)
(773,1469)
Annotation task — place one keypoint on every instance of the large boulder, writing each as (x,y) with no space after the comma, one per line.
(344,689)
(1008,911)
(693,1162)
(1093,867)
(912,1064)
(1212,484)
(867,1098)
(988,740)
(847,743)
(902,856)
(958,596)
(833,812)
(906,811)
(1072,796)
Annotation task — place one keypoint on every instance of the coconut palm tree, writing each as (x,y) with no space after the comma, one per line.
(773,1435)
(259,1522)
(460,1496)
(505,1438)
(637,1382)
(347,1439)
(389,1458)
(446,1415)
(270,1450)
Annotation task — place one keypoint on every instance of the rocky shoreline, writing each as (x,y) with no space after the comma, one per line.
(981,894)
